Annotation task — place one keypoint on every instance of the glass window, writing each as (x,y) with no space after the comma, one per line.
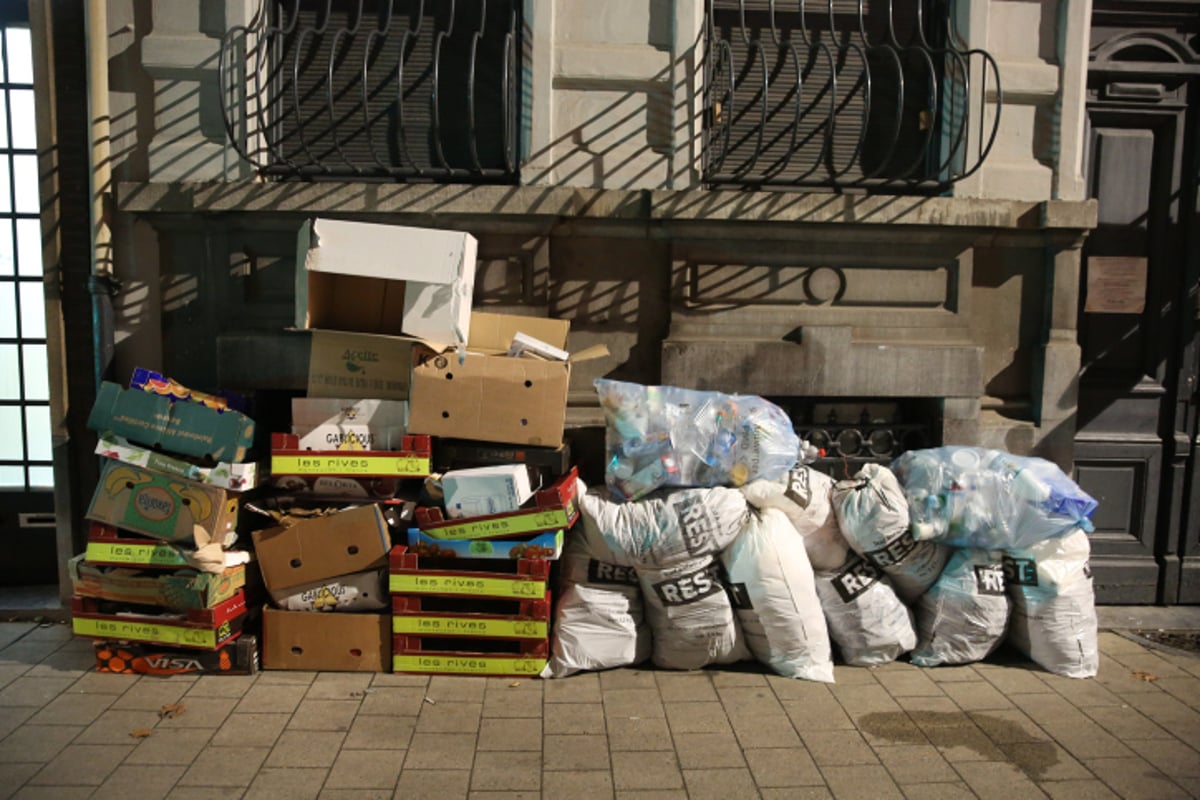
(11,448)
(41,477)
(37,432)
(8,310)
(13,476)
(29,246)
(25,181)
(10,374)
(24,123)
(37,381)
(6,248)
(33,310)
(20,55)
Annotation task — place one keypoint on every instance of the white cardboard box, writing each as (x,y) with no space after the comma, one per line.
(389,279)
(480,491)
(344,424)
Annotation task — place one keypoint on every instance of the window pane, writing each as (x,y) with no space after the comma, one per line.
(12,476)
(24,123)
(6,248)
(5,188)
(10,446)
(41,477)
(3,112)
(29,245)
(8,310)
(37,433)
(33,310)
(20,55)
(10,376)
(25,181)
(37,380)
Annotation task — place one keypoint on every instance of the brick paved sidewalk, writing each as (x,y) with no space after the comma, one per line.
(1001,730)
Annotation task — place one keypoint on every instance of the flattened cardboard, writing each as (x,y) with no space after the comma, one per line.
(181,589)
(162,506)
(332,642)
(388,279)
(236,477)
(190,429)
(238,657)
(341,364)
(320,548)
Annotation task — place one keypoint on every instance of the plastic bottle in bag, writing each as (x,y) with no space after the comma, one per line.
(963,616)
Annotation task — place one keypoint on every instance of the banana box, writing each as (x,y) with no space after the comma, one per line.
(163,506)
(184,588)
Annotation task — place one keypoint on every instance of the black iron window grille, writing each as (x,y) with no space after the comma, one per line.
(384,89)
(877,94)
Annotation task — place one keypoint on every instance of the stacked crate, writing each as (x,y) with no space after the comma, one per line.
(471,596)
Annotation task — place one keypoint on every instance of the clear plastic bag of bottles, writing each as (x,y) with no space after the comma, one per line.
(668,436)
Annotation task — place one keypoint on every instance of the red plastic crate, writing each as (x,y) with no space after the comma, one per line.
(203,628)
(470,617)
(512,579)
(436,656)
(413,460)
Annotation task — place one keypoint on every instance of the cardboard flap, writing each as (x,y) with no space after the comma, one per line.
(370,250)
(493,333)
(590,353)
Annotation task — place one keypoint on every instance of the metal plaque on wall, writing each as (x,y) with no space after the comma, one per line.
(1116,285)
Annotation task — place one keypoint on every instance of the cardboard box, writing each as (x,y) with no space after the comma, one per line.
(480,491)
(366,591)
(238,657)
(451,454)
(413,460)
(235,477)
(334,642)
(493,398)
(181,589)
(343,424)
(555,508)
(320,548)
(162,506)
(390,279)
(545,545)
(340,364)
(190,429)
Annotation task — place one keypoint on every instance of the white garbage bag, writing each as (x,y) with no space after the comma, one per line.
(866,619)
(692,623)
(1054,605)
(599,620)
(873,516)
(806,496)
(775,598)
(963,616)
(669,527)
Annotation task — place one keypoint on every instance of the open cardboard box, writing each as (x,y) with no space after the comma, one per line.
(310,640)
(319,548)
(486,396)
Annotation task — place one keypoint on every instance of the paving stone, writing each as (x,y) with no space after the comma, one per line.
(954,673)
(708,750)
(578,785)
(1147,661)
(201,712)
(339,686)
(35,692)
(1174,717)
(1015,680)
(12,776)
(685,687)
(399,679)
(1170,756)
(204,793)
(39,743)
(292,783)
(769,729)
(11,632)
(574,718)
(838,748)
(225,766)
(822,713)
(866,699)
(445,717)
(1045,761)
(1053,708)
(779,768)
(396,701)
(719,784)
(512,704)
(151,696)
(305,749)
(457,688)
(1185,690)
(1082,693)
(937,791)
(287,677)
(992,780)
(12,717)
(861,781)
(651,794)
(266,698)
(916,763)
(628,678)
(141,782)
(911,683)
(528,795)
(890,728)
(72,709)
(977,696)
(378,732)
(54,792)
(364,769)
(733,676)
(1135,777)
(355,794)
(1005,726)
(697,718)
(170,746)
(440,751)
(1089,789)
(639,734)
(1085,740)
(583,687)
(643,769)
(959,743)
(323,715)
(578,752)
(105,683)
(1125,722)
(510,733)
(222,686)
(433,784)
(82,765)
(633,703)
(511,771)
(844,675)
(252,730)
(793,689)
(64,663)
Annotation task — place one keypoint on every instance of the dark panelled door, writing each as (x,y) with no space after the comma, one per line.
(1135,449)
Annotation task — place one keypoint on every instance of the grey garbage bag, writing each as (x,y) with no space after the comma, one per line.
(1054,605)
(775,599)
(963,616)
(692,623)
(806,497)
(599,620)
(873,516)
(866,619)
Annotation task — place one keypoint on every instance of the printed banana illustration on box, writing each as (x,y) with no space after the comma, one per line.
(162,506)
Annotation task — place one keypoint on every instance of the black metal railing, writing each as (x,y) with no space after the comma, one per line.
(875,94)
(390,89)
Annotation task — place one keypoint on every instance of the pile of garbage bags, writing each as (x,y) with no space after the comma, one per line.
(741,552)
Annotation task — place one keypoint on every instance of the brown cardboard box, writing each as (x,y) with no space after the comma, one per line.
(319,548)
(185,588)
(493,398)
(359,365)
(310,640)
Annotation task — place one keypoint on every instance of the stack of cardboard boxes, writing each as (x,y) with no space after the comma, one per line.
(158,586)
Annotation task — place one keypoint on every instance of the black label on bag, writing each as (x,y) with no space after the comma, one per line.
(603,572)
(989,578)
(1020,571)
(855,579)
(739,597)
(799,489)
(698,525)
(894,552)
(689,588)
